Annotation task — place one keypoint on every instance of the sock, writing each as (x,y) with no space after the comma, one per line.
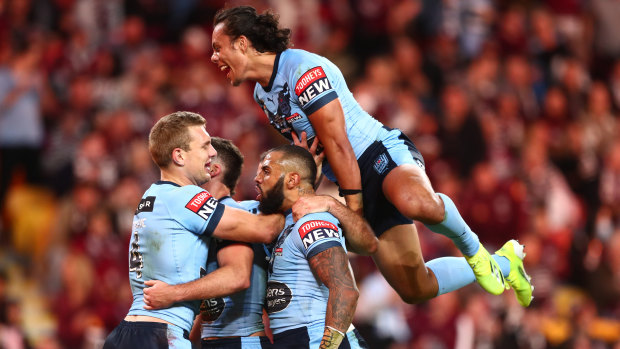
(453,273)
(454,227)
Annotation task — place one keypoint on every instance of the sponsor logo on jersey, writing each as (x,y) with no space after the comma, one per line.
(211,309)
(381,163)
(313,231)
(202,204)
(294,117)
(146,205)
(311,84)
(278,296)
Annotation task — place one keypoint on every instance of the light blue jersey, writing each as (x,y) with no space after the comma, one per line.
(171,231)
(303,82)
(240,314)
(295,297)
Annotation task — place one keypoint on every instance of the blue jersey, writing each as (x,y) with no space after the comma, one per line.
(303,82)
(295,297)
(171,231)
(240,314)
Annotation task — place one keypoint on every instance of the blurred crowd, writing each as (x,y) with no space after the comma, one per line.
(514,105)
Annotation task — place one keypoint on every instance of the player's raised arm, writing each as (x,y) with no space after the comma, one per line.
(332,268)
(329,125)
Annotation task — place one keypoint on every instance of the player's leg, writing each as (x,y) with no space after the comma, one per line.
(408,188)
(399,258)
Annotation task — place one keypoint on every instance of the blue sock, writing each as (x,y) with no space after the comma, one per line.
(453,273)
(454,227)
(504,264)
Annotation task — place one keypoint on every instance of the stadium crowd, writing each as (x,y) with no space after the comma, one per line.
(514,105)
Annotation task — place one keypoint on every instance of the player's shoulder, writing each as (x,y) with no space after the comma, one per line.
(250,206)
(312,221)
(186,195)
(299,61)
(230,202)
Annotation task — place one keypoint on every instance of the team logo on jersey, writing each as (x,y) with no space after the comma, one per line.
(280,118)
(146,205)
(381,163)
(202,204)
(313,231)
(278,296)
(211,309)
(276,249)
(311,84)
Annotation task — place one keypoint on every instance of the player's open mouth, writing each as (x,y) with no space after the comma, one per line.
(226,69)
(259,192)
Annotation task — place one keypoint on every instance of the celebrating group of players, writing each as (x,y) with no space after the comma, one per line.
(194,249)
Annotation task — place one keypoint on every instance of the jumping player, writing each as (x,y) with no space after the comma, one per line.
(303,92)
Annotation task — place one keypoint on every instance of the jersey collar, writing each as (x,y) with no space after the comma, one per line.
(274,73)
(167,182)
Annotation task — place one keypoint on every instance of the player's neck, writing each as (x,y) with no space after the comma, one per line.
(263,67)
(217,189)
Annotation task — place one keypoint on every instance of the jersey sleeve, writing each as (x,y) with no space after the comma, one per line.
(317,232)
(197,210)
(313,82)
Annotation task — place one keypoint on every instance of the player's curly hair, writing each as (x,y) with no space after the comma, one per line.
(261,29)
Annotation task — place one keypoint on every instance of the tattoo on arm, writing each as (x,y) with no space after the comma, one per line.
(331,267)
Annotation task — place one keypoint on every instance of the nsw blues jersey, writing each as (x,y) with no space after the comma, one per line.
(303,82)
(240,314)
(295,297)
(170,235)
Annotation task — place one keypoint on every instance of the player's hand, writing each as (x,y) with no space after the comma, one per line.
(158,295)
(303,142)
(311,204)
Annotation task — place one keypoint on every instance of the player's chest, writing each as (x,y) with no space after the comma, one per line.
(283,110)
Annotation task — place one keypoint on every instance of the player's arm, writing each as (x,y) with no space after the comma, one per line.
(359,235)
(233,275)
(332,268)
(329,124)
(239,225)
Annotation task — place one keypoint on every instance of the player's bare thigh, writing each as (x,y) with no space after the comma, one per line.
(408,188)
(399,258)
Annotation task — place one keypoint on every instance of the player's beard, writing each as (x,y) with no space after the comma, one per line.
(271,200)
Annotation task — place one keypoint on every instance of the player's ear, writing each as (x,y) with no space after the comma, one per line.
(178,156)
(243,43)
(292,180)
(216,170)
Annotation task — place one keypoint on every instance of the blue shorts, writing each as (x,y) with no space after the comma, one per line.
(156,335)
(381,157)
(299,338)
(254,342)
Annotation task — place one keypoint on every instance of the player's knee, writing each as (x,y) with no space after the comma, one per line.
(424,207)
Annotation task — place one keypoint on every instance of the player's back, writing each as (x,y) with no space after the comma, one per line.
(239,314)
(170,235)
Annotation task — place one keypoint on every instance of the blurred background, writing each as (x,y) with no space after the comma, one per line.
(514,105)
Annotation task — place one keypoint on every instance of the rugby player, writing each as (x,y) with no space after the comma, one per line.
(378,170)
